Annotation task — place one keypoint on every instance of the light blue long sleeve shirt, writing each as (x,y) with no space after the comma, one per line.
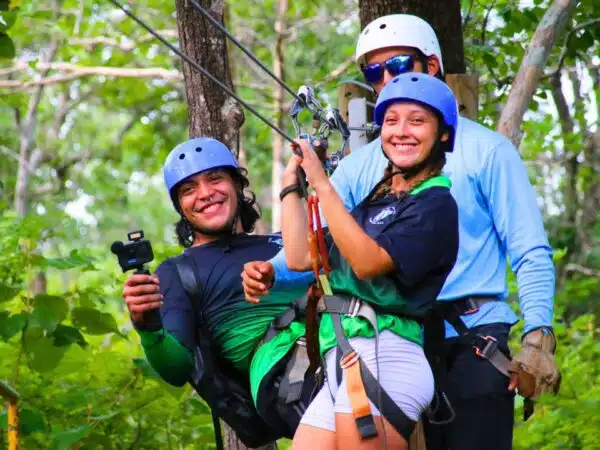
(498,218)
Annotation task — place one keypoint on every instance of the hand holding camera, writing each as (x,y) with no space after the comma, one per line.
(141,291)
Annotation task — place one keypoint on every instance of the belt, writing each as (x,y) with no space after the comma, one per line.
(468,305)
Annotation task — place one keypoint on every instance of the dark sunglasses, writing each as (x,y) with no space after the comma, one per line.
(395,66)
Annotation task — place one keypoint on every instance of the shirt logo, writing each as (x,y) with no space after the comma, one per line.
(276,240)
(386,212)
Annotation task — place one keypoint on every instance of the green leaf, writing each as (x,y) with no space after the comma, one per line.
(32,421)
(105,416)
(49,311)
(65,439)
(10,325)
(8,292)
(92,321)
(7,47)
(75,259)
(43,355)
(7,19)
(65,335)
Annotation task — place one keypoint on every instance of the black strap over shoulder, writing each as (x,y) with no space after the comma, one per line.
(202,361)
(226,393)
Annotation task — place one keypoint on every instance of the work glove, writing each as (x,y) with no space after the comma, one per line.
(534,371)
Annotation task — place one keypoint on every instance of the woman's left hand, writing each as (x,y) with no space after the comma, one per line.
(312,165)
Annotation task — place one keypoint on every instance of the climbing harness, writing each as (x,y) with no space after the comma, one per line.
(485,347)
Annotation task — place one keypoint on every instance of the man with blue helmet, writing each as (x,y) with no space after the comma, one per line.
(498,219)
(208,311)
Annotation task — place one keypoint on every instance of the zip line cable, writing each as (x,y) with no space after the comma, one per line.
(248,53)
(201,69)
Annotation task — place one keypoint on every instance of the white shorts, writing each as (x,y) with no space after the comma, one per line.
(405,376)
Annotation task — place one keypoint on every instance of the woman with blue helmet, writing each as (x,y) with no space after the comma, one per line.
(391,256)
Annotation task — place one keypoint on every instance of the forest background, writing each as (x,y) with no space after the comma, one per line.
(95,104)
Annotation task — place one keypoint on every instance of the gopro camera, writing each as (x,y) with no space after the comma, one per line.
(135,253)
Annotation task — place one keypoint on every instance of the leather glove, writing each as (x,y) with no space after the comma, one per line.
(534,366)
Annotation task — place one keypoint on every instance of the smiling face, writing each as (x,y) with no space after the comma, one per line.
(408,133)
(209,201)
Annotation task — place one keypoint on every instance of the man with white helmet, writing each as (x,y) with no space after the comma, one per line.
(498,218)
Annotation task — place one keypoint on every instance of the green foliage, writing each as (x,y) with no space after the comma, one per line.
(70,350)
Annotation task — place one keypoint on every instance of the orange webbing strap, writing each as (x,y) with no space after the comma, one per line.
(318,249)
(361,409)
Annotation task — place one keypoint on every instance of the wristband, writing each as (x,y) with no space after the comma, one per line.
(286,190)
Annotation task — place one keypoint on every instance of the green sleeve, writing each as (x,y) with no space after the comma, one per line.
(173,361)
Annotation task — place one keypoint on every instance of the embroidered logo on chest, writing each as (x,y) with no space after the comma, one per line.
(383,214)
(276,240)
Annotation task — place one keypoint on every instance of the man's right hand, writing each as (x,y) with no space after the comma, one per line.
(141,293)
(257,279)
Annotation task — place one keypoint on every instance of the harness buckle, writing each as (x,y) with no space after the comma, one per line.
(354,308)
(489,347)
(472,306)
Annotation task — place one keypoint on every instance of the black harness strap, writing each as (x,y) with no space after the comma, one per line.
(485,347)
(185,268)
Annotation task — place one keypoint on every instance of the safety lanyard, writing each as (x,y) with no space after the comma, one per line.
(318,249)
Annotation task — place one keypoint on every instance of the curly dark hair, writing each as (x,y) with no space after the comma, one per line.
(248,209)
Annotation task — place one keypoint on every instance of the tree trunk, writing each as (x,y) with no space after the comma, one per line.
(278,142)
(532,67)
(211,111)
(444,17)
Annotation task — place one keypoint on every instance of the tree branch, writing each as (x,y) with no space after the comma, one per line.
(563,53)
(532,66)
(587,271)
(27,137)
(92,43)
(337,71)
(74,72)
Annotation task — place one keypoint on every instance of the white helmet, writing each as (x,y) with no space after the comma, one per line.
(398,30)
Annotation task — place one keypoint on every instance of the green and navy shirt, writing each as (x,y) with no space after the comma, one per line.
(234,325)
(420,233)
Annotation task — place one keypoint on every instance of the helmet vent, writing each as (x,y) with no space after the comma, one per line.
(382,26)
(198,149)
(182,156)
(414,79)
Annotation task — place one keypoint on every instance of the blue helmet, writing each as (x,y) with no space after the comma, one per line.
(424,89)
(193,157)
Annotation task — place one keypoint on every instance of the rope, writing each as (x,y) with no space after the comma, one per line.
(200,69)
(248,53)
